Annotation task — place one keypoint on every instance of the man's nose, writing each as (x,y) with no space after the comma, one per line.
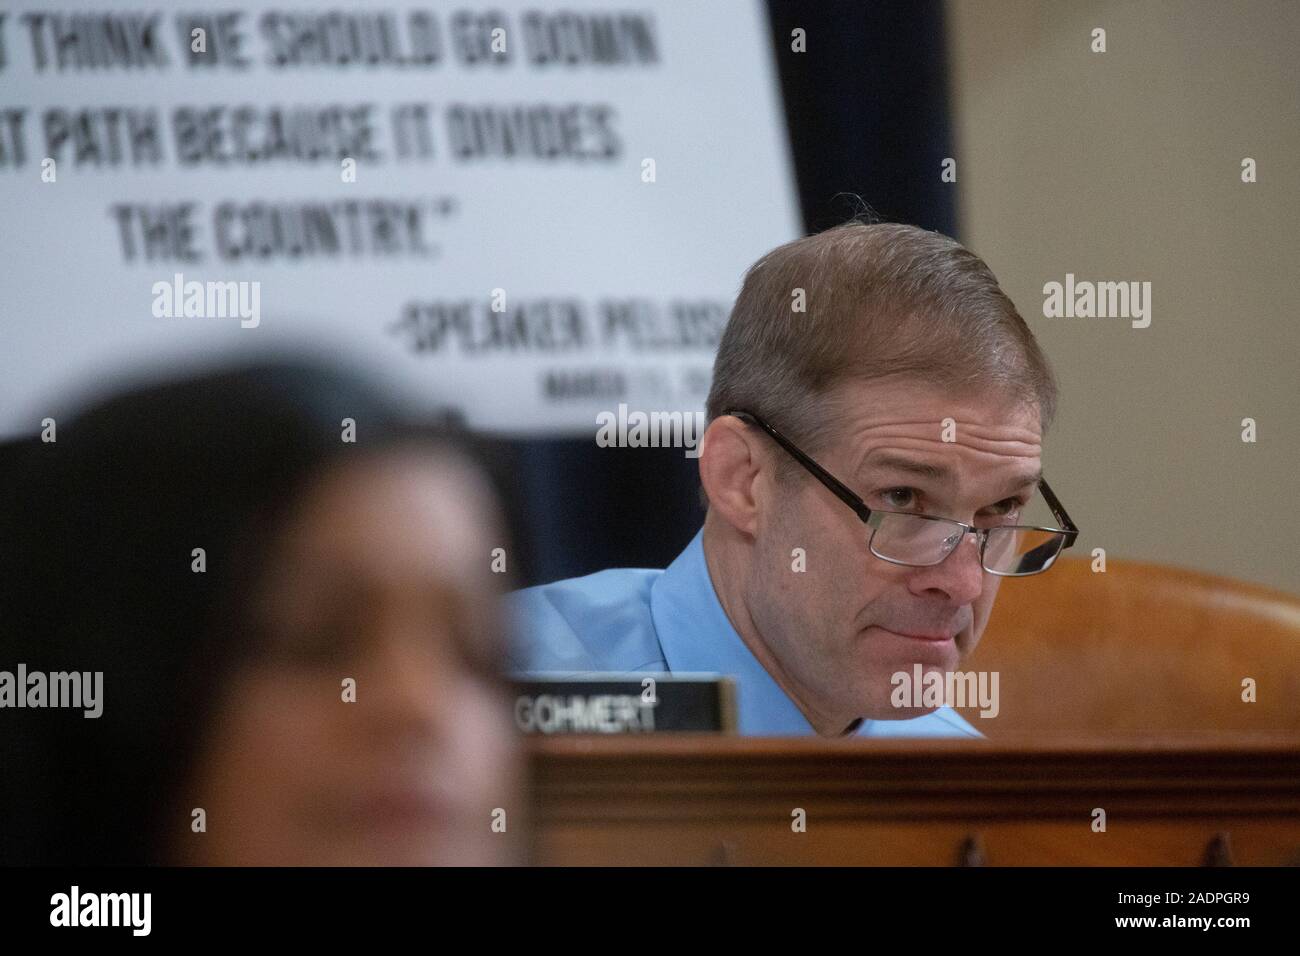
(960,576)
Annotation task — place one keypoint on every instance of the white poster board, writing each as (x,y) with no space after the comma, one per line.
(532,211)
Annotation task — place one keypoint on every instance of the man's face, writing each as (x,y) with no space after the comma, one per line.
(841,628)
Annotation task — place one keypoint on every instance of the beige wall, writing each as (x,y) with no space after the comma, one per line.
(1126,166)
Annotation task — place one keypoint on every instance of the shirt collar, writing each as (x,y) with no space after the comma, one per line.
(697,637)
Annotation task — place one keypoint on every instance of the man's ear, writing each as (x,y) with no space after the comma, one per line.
(730,460)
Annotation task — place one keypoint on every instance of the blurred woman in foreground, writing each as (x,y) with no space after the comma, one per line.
(298,634)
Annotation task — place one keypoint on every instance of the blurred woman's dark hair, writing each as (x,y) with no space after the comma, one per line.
(96,539)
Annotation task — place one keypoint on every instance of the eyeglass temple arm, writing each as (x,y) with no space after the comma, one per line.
(1058,510)
(817,471)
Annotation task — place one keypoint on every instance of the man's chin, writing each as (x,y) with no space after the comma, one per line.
(898,702)
(902,713)
(904,689)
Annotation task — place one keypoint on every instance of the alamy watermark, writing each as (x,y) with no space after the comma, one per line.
(82,690)
(934,689)
(1102,300)
(180,299)
(635,429)
(75,908)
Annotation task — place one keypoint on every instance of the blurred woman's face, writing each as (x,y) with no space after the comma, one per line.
(381,581)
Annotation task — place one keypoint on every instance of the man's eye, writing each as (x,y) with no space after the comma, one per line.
(899,499)
(1010,508)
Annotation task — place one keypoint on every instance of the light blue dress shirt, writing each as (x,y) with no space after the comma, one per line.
(631,620)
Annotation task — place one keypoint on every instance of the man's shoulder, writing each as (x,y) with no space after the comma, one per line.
(597,622)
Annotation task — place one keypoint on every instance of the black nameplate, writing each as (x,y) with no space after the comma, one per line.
(623,704)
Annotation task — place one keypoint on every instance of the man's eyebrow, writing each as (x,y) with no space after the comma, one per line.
(939,473)
(1023,481)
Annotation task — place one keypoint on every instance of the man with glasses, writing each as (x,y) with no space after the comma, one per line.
(872,471)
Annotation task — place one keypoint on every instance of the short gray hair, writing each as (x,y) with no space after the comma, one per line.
(883,300)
